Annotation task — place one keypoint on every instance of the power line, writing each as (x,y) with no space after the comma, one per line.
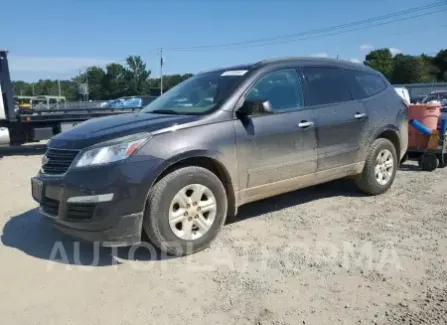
(277,42)
(285,38)
(413,31)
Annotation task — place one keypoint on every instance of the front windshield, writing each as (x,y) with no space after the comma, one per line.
(199,94)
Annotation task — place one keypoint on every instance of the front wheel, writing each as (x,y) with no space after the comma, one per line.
(380,168)
(185,211)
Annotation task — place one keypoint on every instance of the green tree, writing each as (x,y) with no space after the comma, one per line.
(46,87)
(381,60)
(69,89)
(95,76)
(114,81)
(170,81)
(21,88)
(431,70)
(411,69)
(440,60)
(137,76)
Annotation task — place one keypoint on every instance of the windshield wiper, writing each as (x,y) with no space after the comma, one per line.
(164,111)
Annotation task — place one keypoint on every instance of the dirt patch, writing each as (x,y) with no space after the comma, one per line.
(431,308)
(322,255)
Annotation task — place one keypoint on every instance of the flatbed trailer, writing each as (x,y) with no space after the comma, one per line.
(19,126)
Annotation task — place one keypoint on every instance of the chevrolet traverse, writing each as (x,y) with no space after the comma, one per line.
(218,140)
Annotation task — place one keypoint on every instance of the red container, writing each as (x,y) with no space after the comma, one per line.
(427,114)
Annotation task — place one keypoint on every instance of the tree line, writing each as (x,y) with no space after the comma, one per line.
(113,81)
(407,69)
(133,78)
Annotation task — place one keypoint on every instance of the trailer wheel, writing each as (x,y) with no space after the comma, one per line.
(428,162)
(442,161)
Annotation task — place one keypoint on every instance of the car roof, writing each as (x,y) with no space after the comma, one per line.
(297,60)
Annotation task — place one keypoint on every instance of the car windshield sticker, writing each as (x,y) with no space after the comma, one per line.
(234,73)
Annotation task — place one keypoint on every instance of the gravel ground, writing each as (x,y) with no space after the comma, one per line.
(324,255)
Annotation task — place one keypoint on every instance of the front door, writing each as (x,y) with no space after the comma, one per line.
(275,148)
(339,119)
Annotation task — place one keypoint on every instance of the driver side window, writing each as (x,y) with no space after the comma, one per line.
(281,88)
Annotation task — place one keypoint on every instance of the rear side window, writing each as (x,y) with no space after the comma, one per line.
(325,86)
(364,85)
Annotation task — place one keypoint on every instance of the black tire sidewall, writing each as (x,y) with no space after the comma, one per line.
(160,217)
(384,144)
(367,181)
(429,162)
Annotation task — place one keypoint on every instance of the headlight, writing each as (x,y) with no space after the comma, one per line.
(112,151)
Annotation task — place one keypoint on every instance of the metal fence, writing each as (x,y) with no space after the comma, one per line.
(423,89)
(69,105)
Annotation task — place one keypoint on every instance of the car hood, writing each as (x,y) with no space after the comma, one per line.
(97,130)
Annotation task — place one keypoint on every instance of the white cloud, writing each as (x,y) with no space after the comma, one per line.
(395,51)
(53,64)
(320,55)
(355,60)
(366,47)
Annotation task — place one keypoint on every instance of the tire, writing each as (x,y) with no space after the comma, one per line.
(428,162)
(156,222)
(367,181)
(442,164)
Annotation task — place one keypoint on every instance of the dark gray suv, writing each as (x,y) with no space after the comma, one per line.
(216,141)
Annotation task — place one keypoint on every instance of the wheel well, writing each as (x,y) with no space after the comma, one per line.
(393,137)
(213,166)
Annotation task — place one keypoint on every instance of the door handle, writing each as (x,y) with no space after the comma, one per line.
(305,124)
(359,115)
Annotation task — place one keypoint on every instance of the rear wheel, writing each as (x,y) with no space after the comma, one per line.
(380,168)
(185,211)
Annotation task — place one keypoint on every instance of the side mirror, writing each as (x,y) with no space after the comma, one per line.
(254,108)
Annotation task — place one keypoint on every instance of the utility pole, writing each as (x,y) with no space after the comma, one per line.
(161,71)
(33,88)
(59,87)
(86,82)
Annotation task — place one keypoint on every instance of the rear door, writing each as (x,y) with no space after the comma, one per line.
(339,119)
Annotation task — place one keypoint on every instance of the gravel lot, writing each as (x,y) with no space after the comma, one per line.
(324,255)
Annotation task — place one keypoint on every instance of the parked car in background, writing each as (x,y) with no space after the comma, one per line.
(138,101)
(114,103)
(436,96)
(132,101)
(176,169)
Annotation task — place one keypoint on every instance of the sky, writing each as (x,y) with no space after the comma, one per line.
(58,39)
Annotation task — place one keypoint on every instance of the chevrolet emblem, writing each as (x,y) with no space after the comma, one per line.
(45,160)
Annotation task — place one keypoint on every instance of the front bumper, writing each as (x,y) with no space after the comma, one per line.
(102,204)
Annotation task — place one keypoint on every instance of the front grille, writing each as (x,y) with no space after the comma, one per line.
(80,211)
(50,206)
(58,161)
